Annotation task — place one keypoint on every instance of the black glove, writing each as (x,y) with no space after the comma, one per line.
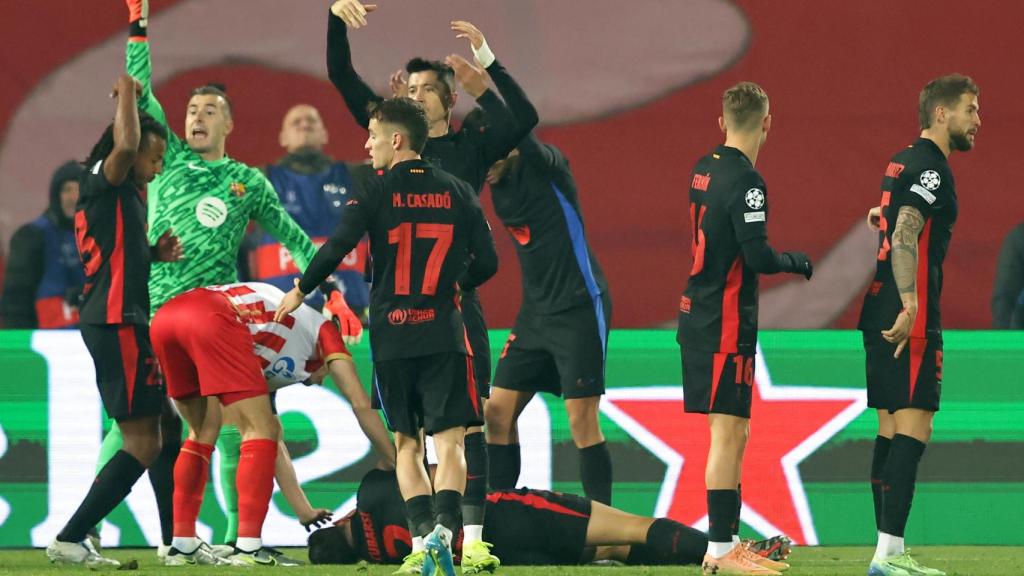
(323,518)
(798,263)
(73,296)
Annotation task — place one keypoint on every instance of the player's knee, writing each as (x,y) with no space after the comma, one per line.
(144,448)
(498,416)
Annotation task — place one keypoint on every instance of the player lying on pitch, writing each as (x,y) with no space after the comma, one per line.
(303,347)
(526,527)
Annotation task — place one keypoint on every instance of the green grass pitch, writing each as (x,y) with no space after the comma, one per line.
(824,561)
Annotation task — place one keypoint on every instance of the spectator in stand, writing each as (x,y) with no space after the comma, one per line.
(313,188)
(1008,288)
(44,276)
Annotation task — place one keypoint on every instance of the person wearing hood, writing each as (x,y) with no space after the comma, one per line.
(44,276)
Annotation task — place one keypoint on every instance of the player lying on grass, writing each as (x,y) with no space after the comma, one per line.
(239,337)
(525,526)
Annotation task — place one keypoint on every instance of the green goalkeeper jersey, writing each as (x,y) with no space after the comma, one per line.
(207,204)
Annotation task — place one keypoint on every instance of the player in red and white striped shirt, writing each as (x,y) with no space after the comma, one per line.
(222,342)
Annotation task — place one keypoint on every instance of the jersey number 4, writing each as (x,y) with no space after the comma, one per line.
(403,236)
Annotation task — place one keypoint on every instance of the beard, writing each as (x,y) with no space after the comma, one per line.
(960,142)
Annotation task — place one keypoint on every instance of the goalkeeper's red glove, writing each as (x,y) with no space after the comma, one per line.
(337,310)
(138,10)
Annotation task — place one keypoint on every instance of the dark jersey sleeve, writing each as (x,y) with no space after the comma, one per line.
(354,223)
(357,94)
(510,121)
(748,208)
(21,280)
(483,262)
(542,156)
(926,189)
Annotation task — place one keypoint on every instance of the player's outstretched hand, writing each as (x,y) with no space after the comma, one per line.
(320,517)
(349,324)
(353,12)
(875,218)
(899,334)
(168,247)
(470,77)
(470,32)
(398,84)
(291,301)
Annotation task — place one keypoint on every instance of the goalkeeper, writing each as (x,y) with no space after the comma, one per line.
(208,199)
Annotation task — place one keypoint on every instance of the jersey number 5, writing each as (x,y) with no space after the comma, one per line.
(698,243)
(883,228)
(403,236)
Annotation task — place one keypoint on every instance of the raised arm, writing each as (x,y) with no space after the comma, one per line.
(139,66)
(127,133)
(510,121)
(356,93)
(539,154)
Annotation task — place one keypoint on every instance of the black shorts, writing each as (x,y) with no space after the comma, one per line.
(537,527)
(561,353)
(127,373)
(434,392)
(476,331)
(717,382)
(914,380)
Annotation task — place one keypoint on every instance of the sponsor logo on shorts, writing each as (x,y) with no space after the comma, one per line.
(400,316)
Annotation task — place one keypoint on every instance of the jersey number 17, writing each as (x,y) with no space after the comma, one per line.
(403,235)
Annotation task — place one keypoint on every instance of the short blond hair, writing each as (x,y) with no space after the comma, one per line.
(744,105)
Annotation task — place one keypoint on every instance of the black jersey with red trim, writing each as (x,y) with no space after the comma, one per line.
(110,232)
(427,234)
(917,176)
(539,205)
(380,531)
(728,206)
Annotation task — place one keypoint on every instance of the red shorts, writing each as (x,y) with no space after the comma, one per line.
(204,349)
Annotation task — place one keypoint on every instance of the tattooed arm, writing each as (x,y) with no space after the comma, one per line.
(909,224)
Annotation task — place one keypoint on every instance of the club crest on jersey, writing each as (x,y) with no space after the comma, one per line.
(930,179)
(238,189)
(754,198)
(211,212)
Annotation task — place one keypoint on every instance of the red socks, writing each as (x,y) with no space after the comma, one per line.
(190,473)
(255,483)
